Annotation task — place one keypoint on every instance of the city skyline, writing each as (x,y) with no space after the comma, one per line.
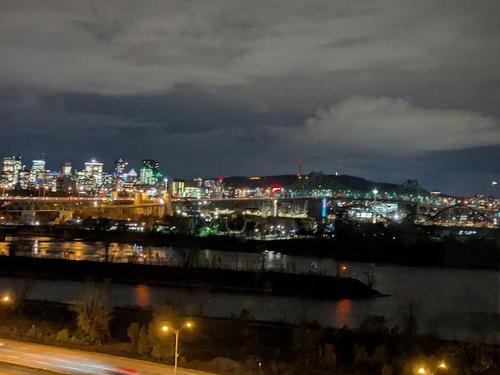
(122,165)
(386,92)
(19,173)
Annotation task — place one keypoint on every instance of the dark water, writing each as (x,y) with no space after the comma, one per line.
(456,303)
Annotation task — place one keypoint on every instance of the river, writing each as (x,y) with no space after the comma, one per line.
(455,303)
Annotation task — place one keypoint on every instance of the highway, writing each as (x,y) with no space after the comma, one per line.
(70,361)
(7,369)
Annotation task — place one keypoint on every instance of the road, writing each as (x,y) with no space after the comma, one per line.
(6,369)
(70,361)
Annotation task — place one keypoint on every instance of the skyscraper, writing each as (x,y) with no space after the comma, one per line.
(93,175)
(67,169)
(150,172)
(120,167)
(37,173)
(11,167)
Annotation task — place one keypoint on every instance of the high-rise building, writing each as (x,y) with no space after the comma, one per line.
(67,169)
(149,174)
(23,179)
(120,167)
(176,187)
(37,173)
(11,167)
(93,175)
(151,164)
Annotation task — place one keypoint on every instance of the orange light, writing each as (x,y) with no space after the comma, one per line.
(442,365)
(189,324)
(164,328)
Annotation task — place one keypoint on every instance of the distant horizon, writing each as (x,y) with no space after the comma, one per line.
(108,167)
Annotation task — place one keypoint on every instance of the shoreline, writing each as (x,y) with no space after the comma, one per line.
(417,252)
(222,280)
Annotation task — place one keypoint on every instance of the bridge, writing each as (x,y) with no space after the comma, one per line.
(59,209)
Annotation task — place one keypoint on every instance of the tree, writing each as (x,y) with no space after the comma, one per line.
(143,343)
(306,342)
(133,332)
(162,344)
(329,356)
(150,340)
(387,370)
(360,355)
(410,321)
(93,315)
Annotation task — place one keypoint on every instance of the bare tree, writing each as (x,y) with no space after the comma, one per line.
(93,315)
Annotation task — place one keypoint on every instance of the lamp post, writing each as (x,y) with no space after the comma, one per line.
(165,329)
(374,216)
(6,299)
(439,368)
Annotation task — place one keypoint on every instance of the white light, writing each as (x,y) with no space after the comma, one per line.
(375,191)
(494,183)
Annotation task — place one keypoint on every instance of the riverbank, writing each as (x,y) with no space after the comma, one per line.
(209,279)
(410,246)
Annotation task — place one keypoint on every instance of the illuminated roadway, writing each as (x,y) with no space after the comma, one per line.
(70,361)
(6,369)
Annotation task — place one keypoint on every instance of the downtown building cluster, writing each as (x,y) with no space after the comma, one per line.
(93,180)
(90,180)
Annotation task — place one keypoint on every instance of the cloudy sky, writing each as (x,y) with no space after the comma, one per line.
(385,89)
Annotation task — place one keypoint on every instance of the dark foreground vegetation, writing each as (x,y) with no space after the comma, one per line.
(239,346)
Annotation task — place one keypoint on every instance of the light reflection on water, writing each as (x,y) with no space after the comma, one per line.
(42,247)
(458,303)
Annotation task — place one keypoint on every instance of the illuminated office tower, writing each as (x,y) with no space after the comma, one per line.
(11,168)
(150,172)
(120,167)
(23,181)
(93,175)
(37,173)
(119,174)
(67,169)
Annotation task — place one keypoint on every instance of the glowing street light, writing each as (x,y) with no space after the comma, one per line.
(374,215)
(438,368)
(165,329)
(442,365)
(6,299)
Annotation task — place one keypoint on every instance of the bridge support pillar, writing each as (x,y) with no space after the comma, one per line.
(28,216)
(65,215)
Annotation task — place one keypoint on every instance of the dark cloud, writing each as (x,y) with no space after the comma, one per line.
(388,89)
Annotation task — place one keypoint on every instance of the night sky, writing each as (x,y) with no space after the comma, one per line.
(388,90)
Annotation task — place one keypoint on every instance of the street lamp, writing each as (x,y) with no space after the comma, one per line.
(6,299)
(374,216)
(423,369)
(165,328)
